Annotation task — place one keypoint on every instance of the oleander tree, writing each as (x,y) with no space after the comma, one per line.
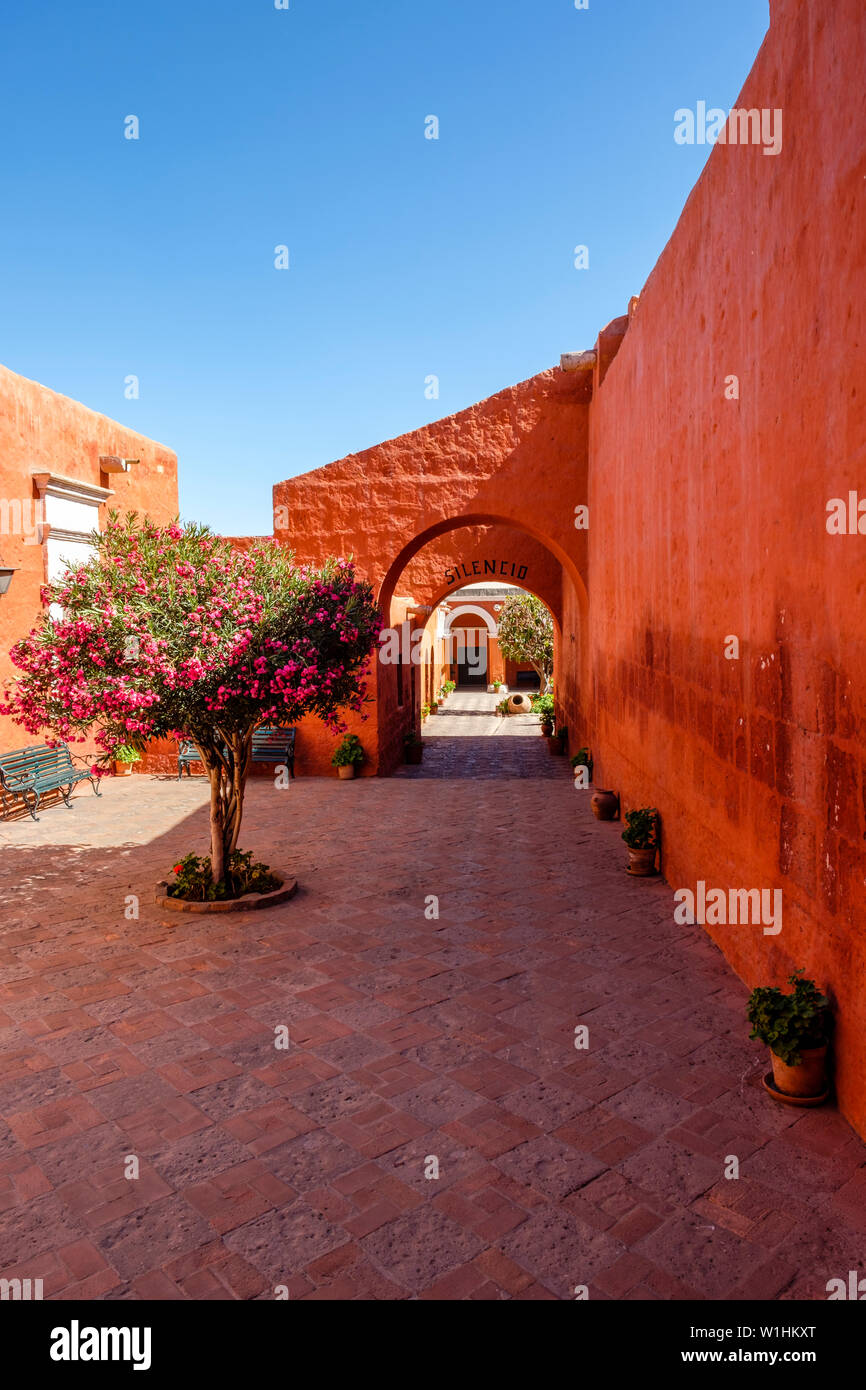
(168,631)
(526,634)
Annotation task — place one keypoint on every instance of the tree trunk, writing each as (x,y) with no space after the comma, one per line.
(542,676)
(217,827)
(227,764)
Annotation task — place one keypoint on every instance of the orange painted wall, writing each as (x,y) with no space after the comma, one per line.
(708,520)
(43,432)
(471,469)
(501,479)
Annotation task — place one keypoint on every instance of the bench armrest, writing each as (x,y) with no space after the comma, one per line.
(12,781)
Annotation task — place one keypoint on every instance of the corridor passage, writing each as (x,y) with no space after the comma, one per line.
(469,716)
(431,1131)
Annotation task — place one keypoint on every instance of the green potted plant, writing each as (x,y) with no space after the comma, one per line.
(413,748)
(583,758)
(542,705)
(796,1027)
(124,757)
(496,684)
(562,735)
(434,706)
(502,707)
(348,756)
(641,838)
(425,711)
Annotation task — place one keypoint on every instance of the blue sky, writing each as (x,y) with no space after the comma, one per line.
(305,127)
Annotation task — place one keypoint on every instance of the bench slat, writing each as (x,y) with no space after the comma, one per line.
(270,745)
(28,772)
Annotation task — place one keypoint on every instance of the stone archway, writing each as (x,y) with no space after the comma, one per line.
(510,471)
(464,609)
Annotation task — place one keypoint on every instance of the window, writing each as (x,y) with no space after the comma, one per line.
(70,509)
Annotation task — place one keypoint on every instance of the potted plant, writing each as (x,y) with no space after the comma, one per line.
(434,706)
(605,804)
(641,838)
(557,739)
(425,711)
(502,707)
(348,756)
(583,758)
(413,748)
(542,705)
(796,1028)
(123,758)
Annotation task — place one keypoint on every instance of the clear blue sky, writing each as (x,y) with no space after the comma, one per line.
(305,127)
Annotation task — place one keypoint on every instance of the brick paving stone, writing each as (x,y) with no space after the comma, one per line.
(283,1242)
(419,1247)
(146,1239)
(409,1039)
(552,1168)
(560,1251)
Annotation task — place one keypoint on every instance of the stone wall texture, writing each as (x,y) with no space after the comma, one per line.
(709,520)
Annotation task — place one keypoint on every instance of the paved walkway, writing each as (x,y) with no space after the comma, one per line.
(417,1043)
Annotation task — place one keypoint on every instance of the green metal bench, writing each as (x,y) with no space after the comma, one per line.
(272,745)
(29,773)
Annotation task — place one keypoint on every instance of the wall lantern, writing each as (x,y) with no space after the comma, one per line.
(5,579)
(110,463)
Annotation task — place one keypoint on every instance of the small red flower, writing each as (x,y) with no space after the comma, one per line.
(177,868)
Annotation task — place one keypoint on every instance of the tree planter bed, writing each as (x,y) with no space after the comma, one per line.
(251,902)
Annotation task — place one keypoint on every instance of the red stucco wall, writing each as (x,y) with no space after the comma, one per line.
(43,432)
(708,520)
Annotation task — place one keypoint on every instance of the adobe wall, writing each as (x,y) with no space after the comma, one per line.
(43,432)
(517,458)
(498,481)
(708,517)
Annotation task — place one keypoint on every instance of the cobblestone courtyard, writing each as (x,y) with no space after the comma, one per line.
(410,1038)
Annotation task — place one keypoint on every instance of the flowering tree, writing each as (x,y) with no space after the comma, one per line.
(169,632)
(526,634)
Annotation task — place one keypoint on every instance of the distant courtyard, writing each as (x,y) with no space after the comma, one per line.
(411,1038)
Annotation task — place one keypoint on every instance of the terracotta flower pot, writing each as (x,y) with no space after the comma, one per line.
(807,1079)
(642,862)
(344,773)
(123,769)
(605,804)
